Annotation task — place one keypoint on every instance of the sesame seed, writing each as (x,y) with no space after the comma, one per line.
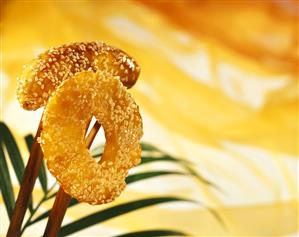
(69,60)
(92,75)
(63,136)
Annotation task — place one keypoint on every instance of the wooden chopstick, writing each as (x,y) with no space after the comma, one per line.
(62,199)
(29,178)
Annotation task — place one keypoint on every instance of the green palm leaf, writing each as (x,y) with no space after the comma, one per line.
(130,179)
(6,185)
(186,164)
(148,147)
(7,140)
(146,159)
(114,211)
(145,175)
(13,151)
(97,151)
(150,154)
(141,176)
(153,233)
(14,154)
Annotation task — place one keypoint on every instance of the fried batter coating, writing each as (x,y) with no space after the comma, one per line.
(65,119)
(43,75)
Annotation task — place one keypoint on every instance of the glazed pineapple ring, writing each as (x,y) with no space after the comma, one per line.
(65,119)
(43,75)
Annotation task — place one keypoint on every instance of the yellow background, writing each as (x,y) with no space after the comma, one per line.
(218,86)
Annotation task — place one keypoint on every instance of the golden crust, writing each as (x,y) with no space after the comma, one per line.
(65,119)
(43,75)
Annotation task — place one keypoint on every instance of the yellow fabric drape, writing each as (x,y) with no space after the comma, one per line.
(218,86)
